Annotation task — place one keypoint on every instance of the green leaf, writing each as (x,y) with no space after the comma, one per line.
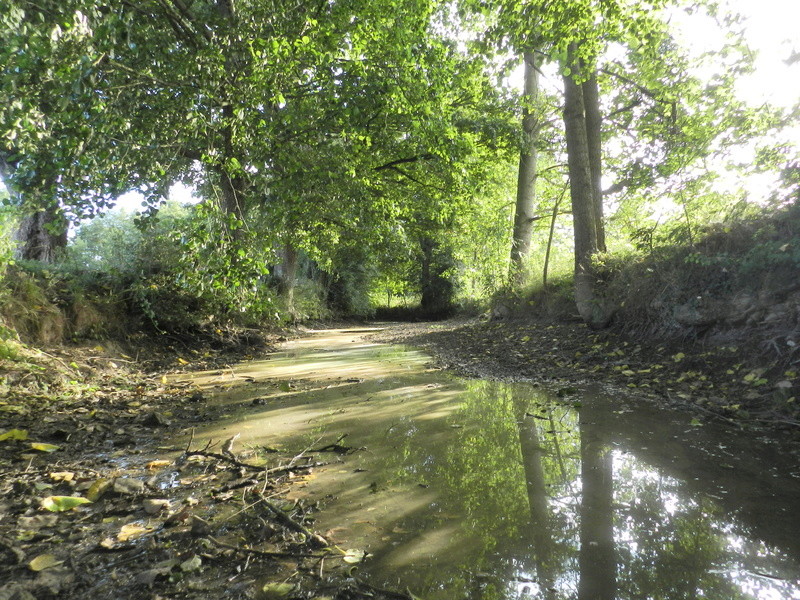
(44,561)
(63,503)
(42,447)
(192,564)
(14,434)
(275,591)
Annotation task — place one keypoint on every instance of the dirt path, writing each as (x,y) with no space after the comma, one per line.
(96,502)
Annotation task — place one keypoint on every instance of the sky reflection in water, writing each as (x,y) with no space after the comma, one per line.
(492,491)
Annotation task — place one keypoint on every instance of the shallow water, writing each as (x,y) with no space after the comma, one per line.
(498,491)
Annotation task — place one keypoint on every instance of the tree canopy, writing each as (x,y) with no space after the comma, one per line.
(383,126)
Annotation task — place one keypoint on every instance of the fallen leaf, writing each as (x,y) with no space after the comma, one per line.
(63,503)
(62,476)
(192,564)
(157,464)
(354,556)
(37,522)
(153,506)
(44,561)
(162,569)
(97,489)
(131,531)
(14,434)
(42,447)
(275,591)
(128,486)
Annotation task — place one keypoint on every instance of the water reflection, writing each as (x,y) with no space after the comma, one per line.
(482,490)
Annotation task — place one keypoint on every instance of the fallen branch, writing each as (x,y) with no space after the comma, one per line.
(224,458)
(236,485)
(265,553)
(287,521)
(293,468)
(336,447)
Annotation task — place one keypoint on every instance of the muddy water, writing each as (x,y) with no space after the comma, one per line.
(485,490)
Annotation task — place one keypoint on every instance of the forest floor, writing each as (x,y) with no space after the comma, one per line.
(93,423)
(95,502)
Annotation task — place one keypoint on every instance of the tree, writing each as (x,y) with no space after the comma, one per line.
(527,174)
(301,136)
(41,232)
(574,34)
(580,155)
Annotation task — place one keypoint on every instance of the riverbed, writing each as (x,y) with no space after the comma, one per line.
(469,488)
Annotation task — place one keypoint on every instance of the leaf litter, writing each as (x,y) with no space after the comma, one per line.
(92,504)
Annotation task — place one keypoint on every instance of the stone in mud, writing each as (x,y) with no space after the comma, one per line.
(153,506)
(128,487)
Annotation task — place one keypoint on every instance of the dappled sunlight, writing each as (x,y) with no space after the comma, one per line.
(448,480)
(342,359)
(426,547)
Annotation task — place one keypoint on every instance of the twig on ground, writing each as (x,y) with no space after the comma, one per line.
(265,553)
(287,521)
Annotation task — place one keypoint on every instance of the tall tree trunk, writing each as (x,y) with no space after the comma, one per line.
(591,104)
(42,235)
(231,180)
(526,179)
(232,184)
(437,288)
(580,180)
(288,275)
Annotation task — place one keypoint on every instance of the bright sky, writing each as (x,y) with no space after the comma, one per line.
(773,30)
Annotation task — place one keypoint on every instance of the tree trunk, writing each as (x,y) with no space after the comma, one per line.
(591,103)
(42,234)
(232,184)
(580,180)
(539,532)
(526,179)
(436,286)
(550,235)
(288,275)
